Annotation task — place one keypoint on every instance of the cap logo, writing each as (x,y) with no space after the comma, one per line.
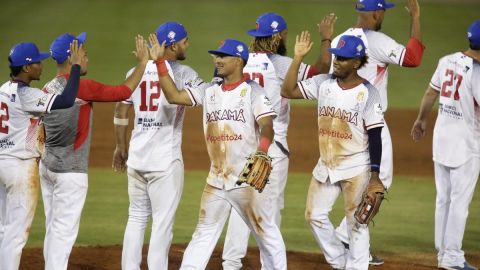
(28,59)
(469,34)
(380,5)
(359,48)
(274,25)
(341,43)
(11,51)
(171,35)
(240,48)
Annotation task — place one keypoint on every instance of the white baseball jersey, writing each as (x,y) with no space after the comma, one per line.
(269,71)
(230,126)
(344,116)
(157,135)
(382,50)
(21,107)
(455,136)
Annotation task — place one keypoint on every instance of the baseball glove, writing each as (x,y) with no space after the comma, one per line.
(256,171)
(371,201)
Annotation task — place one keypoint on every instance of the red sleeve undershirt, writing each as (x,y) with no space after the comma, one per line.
(312,72)
(91,90)
(414,53)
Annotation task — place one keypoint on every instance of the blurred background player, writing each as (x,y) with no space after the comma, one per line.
(456,149)
(267,65)
(237,122)
(63,168)
(155,163)
(21,139)
(382,51)
(349,129)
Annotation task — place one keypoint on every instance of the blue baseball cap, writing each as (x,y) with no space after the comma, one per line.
(26,53)
(372,5)
(60,47)
(473,34)
(349,47)
(267,25)
(170,32)
(232,47)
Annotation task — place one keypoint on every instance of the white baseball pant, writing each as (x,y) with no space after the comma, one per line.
(63,195)
(156,195)
(238,233)
(19,198)
(255,210)
(455,188)
(320,200)
(386,176)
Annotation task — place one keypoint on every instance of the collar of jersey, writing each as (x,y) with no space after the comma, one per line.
(20,83)
(231,86)
(345,89)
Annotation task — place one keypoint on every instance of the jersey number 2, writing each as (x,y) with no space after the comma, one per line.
(152,106)
(3,118)
(446,86)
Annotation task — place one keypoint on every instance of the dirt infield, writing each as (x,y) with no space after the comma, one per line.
(409,158)
(109,257)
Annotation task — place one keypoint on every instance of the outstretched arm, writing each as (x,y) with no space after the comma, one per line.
(290,88)
(325,28)
(120,120)
(415,48)
(420,125)
(172,94)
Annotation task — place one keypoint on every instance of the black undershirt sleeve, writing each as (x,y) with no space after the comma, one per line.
(375,148)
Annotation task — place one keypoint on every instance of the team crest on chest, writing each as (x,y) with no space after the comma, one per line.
(360,96)
(243,92)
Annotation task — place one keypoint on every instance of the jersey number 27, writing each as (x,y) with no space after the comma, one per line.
(447,84)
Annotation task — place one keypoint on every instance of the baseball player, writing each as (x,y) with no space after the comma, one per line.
(237,120)
(155,163)
(21,109)
(382,51)
(456,149)
(63,168)
(350,120)
(267,65)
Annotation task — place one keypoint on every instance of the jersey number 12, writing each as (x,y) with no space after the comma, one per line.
(152,105)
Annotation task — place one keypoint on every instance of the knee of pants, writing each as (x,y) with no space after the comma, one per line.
(136,215)
(316,217)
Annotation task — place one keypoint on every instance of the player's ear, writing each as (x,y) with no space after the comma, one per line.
(25,68)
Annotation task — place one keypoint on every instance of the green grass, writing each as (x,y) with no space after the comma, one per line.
(112,24)
(405,224)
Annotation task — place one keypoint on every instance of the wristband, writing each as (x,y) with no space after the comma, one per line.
(264,144)
(161,67)
(374,167)
(120,121)
(326,39)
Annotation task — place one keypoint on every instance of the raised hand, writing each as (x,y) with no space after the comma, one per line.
(303,44)
(325,27)
(418,130)
(413,8)
(156,50)
(77,53)
(141,49)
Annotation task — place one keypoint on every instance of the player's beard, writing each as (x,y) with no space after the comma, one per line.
(181,56)
(378,26)
(282,48)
